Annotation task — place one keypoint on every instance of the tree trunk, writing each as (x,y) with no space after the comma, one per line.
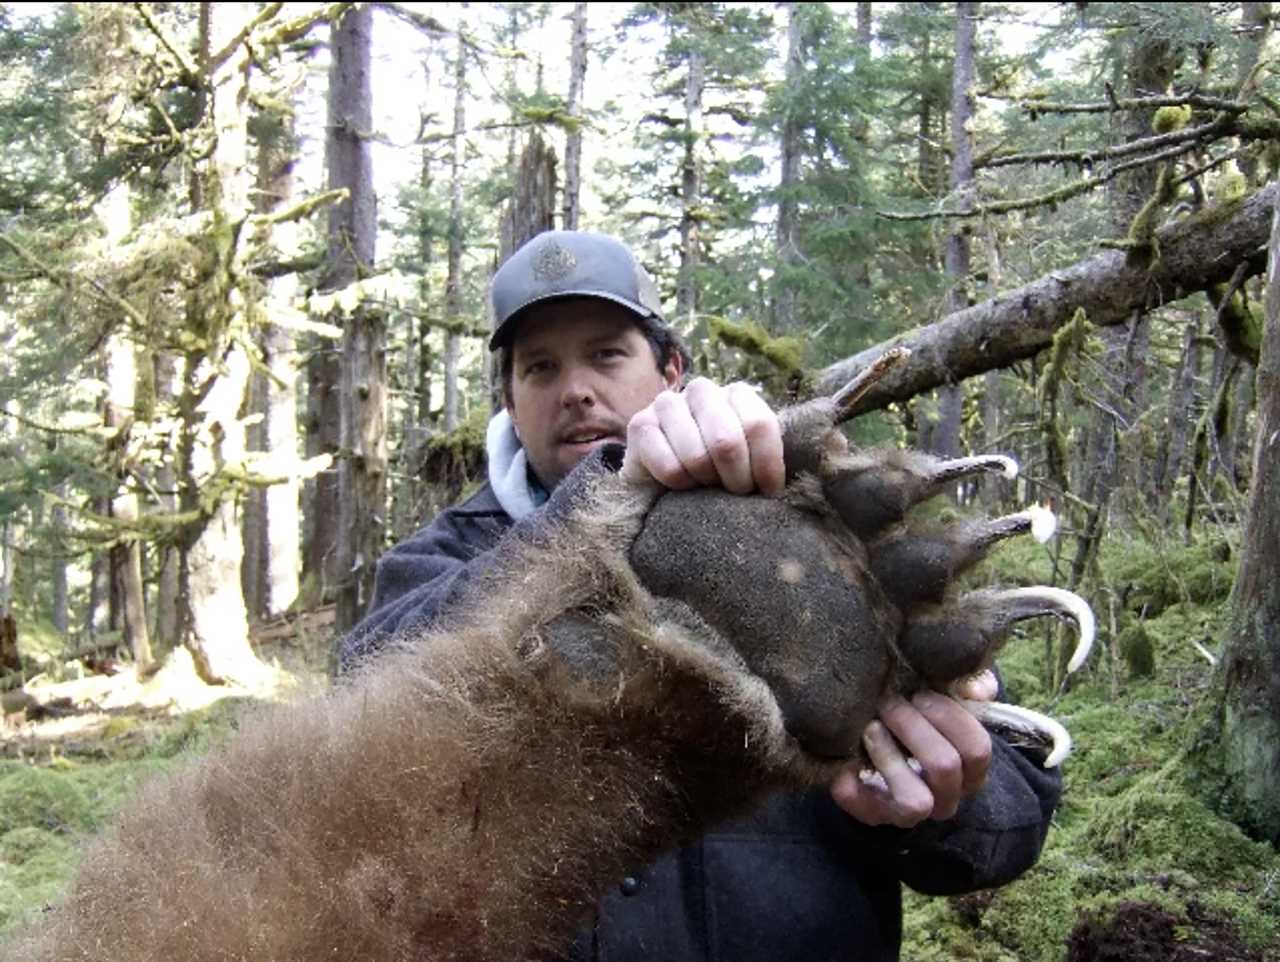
(1244,746)
(946,438)
(362,471)
(122,384)
(784,302)
(1181,415)
(165,637)
(58,598)
(213,622)
(992,493)
(271,522)
(691,191)
(453,282)
(1255,26)
(573,139)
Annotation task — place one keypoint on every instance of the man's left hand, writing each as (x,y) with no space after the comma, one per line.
(709,436)
(951,749)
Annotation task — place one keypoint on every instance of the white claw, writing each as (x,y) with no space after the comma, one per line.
(1068,603)
(1023,720)
(1043,522)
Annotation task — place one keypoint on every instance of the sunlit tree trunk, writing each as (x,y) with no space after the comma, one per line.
(453,283)
(691,190)
(352,228)
(272,576)
(213,623)
(165,636)
(784,303)
(122,383)
(573,139)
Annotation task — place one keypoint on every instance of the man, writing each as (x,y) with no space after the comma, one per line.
(587,359)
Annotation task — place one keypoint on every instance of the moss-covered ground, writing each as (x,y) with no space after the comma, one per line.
(1135,867)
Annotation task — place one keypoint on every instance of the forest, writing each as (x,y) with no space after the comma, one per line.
(244,263)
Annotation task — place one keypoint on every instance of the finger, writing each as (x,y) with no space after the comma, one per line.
(649,454)
(963,733)
(980,687)
(764,437)
(722,435)
(867,800)
(683,436)
(942,768)
(911,799)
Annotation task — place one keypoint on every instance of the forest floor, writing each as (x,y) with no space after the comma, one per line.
(1136,868)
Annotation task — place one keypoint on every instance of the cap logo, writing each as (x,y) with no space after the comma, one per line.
(552,262)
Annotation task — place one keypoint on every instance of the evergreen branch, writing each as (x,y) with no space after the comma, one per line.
(190,74)
(1135,103)
(1073,189)
(83,431)
(268,12)
(427,24)
(1217,127)
(68,280)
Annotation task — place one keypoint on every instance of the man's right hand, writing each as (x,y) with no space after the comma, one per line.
(708,436)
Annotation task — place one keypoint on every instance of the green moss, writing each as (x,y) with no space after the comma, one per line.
(1168,119)
(1137,650)
(35,867)
(1155,826)
(1152,576)
(34,797)
(776,361)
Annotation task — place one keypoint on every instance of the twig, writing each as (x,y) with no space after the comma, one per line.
(1135,103)
(1209,656)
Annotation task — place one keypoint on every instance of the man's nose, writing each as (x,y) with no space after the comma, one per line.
(577,389)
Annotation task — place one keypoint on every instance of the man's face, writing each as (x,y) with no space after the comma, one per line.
(580,369)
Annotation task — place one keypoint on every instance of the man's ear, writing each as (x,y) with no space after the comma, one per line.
(673,370)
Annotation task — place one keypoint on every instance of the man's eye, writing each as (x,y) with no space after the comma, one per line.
(537,367)
(610,353)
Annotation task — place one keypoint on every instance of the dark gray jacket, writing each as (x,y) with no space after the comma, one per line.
(799,879)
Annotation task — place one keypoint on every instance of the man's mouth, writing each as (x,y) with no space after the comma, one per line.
(587,435)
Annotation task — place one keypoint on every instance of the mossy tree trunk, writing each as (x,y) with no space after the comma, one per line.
(362,473)
(212,620)
(1245,733)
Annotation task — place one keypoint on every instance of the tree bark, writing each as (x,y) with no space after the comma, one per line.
(1181,414)
(362,471)
(213,622)
(453,282)
(573,139)
(946,437)
(122,381)
(1248,718)
(784,301)
(691,190)
(1194,253)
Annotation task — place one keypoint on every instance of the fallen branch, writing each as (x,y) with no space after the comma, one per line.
(1203,249)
